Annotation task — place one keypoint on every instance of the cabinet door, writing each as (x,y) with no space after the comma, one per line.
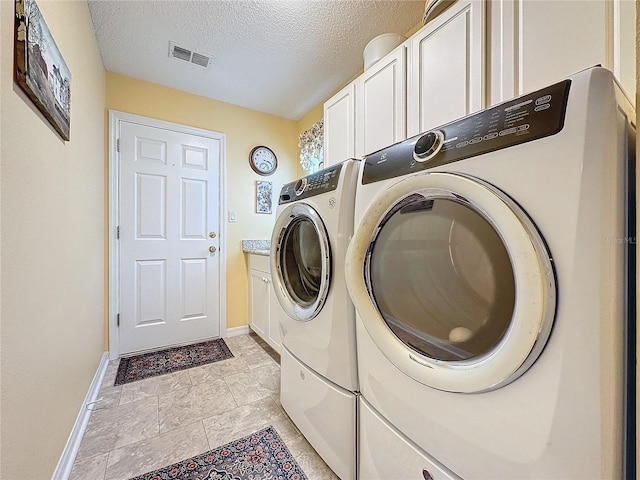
(624,55)
(339,126)
(380,103)
(259,302)
(558,39)
(535,44)
(447,58)
(275,313)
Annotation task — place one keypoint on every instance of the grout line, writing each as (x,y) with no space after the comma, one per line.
(206,436)
(106,465)
(158,412)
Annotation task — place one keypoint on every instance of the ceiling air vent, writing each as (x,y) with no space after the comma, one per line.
(190,56)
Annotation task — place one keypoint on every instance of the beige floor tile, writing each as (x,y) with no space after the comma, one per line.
(110,374)
(112,428)
(108,397)
(247,387)
(246,419)
(310,462)
(256,357)
(241,341)
(269,377)
(189,405)
(242,348)
(213,371)
(157,452)
(154,386)
(90,469)
(276,399)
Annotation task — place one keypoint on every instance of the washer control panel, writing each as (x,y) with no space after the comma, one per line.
(530,117)
(317,183)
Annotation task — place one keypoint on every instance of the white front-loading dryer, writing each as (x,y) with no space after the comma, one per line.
(319,378)
(492,271)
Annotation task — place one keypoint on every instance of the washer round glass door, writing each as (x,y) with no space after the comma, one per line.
(452,281)
(301,261)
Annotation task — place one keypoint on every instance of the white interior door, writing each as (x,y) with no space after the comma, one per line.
(169,263)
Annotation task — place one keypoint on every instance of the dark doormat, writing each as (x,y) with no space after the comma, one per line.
(170,360)
(259,456)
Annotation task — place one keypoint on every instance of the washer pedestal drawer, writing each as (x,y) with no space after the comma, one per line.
(324,413)
(386,454)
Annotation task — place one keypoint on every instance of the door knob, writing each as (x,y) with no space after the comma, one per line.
(212,234)
(212,249)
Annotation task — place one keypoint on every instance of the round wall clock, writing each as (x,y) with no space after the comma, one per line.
(263,160)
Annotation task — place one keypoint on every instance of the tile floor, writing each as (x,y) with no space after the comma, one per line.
(149,424)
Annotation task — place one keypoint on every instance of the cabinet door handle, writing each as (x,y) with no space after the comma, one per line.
(426,474)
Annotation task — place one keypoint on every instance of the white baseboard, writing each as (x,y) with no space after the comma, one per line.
(65,464)
(235,331)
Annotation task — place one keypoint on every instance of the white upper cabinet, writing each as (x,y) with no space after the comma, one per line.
(623,61)
(447,67)
(380,103)
(534,43)
(339,126)
(475,54)
(558,39)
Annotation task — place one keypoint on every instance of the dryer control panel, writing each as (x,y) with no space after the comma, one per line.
(526,118)
(317,183)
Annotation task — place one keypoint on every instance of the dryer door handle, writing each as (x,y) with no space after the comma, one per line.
(426,474)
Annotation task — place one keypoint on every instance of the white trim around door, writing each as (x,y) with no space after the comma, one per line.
(115,117)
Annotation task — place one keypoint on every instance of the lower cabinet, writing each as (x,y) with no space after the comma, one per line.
(264,310)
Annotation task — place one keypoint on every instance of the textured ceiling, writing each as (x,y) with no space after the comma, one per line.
(274,56)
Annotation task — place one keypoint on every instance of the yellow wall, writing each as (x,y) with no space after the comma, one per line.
(244,129)
(52,244)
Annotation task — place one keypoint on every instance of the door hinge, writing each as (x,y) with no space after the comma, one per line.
(118,145)
(118,232)
(118,320)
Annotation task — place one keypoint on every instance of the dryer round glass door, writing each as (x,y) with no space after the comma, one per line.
(441,277)
(452,281)
(301,261)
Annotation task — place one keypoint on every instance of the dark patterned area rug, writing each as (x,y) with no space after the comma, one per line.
(259,456)
(170,360)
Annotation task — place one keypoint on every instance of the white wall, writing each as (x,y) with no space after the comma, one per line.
(52,234)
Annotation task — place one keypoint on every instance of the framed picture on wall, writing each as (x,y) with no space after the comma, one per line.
(39,68)
(264,197)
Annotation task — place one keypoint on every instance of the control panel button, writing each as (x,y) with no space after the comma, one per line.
(507,131)
(490,136)
(428,146)
(541,100)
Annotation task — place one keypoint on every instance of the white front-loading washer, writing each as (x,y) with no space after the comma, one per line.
(492,268)
(319,378)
